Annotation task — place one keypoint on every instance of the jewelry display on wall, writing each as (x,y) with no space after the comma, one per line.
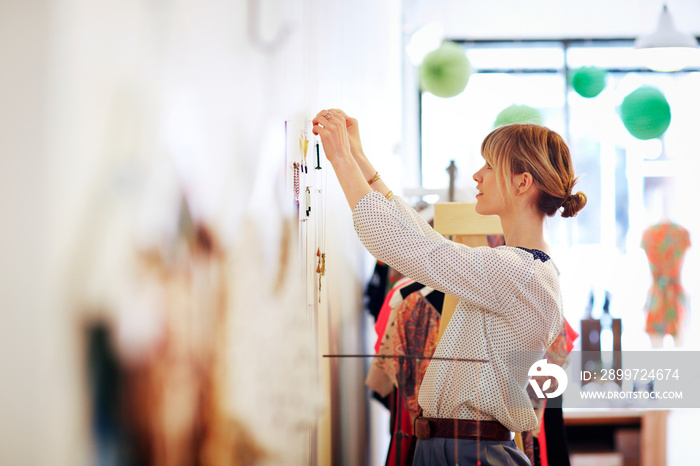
(309,190)
(306,228)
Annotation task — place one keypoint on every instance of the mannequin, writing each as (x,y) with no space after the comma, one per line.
(665,244)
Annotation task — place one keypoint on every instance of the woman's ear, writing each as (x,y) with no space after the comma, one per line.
(523,183)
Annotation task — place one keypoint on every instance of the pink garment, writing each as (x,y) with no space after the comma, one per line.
(383,317)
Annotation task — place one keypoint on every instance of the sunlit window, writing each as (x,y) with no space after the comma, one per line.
(631,183)
(614,166)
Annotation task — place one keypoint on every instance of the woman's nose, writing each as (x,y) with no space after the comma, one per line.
(476,176)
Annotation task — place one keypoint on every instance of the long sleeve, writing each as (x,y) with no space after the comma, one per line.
(416,220)
(408,244)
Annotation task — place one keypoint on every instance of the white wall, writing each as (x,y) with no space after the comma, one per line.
(27,328)
(96,98)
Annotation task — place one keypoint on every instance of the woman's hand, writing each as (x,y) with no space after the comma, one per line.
(340,135)
(332,128)
(353,133)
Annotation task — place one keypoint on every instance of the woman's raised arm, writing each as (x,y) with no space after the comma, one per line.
(331,127)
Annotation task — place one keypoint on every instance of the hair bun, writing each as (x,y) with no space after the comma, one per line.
(573,204)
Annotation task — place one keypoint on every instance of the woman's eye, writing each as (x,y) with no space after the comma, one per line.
(488,166)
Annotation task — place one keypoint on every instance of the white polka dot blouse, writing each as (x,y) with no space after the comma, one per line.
(509,312)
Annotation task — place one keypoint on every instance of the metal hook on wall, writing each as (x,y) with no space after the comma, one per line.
(267,46)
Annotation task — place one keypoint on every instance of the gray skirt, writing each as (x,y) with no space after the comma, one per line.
(451,452)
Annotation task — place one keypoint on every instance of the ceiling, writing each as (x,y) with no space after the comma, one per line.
(549,19)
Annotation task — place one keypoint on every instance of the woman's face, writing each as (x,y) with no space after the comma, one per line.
(489,200)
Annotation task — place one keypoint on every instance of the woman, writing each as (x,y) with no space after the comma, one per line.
(509,307)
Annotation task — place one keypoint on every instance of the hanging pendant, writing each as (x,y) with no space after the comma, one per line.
(318,157)
(304,147)
(308,201)
(320,269)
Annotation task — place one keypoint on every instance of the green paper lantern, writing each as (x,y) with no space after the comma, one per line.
(445,71)
(645,113)
(589,81)
(518,114)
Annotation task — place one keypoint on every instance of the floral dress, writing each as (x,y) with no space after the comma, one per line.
(665,245)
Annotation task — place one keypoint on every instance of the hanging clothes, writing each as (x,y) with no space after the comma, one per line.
(381,377)
(376,289)
(383,279)
(389,303)
(411,329)
(403,428)
(417,323)
(416,335)
(406,325)
(665,245)
(377,378)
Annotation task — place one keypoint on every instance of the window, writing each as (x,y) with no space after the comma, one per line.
(615,167)
(630,183)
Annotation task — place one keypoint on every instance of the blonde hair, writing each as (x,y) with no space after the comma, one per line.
(520,148)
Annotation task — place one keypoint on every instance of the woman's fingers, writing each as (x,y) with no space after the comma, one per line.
(330,126)
(331,116)
(349,122)
(319,122)
(340,112)
(344,115)
(326,118)
(353,131)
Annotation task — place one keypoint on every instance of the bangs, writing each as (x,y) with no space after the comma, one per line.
(496,147)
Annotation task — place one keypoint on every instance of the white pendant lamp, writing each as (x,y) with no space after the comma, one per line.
(668,49)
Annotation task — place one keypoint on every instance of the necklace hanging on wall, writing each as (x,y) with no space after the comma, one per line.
(296,183)
(304,147)
(320,269)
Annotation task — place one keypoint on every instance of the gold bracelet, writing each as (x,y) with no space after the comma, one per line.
(374,178)
(389,196)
